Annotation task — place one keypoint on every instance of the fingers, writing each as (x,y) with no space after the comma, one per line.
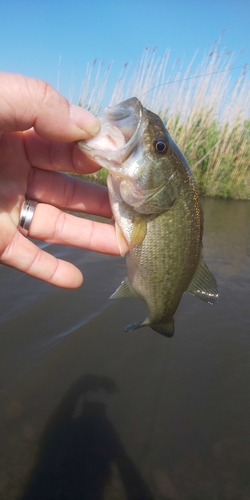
(23,255)
(54,155)
(51,225)
(26,102)
(50,127)
(68,193)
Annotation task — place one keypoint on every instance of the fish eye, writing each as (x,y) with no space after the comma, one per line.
(160,146)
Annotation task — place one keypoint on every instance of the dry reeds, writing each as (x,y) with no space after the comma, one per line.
(206,110)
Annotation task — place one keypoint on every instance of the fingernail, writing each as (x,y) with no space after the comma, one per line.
(84,120)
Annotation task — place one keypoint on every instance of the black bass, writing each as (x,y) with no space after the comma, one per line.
(157,211)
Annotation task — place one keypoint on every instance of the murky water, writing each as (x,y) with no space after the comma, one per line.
(89,412)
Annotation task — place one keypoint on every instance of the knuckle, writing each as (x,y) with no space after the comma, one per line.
(59,227)
(45,90)
(53,152)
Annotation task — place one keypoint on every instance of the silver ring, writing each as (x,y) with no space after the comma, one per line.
(26,216)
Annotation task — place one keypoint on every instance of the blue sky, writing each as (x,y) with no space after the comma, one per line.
(40,37)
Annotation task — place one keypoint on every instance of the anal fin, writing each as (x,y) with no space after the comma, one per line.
(124,290)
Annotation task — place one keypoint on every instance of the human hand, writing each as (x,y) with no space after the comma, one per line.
(38,130)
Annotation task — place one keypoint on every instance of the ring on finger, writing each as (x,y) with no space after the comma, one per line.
(26,216)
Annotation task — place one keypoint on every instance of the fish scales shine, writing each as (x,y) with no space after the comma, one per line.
(159,269)
(157,210)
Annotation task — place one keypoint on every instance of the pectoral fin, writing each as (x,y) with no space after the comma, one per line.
(124,290)
(203,284)
(139,231)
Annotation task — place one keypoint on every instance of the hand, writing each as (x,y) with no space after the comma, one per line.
(38,130)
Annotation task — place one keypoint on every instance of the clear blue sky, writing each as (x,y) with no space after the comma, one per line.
(36,34)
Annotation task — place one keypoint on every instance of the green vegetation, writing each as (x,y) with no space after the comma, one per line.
(207,116)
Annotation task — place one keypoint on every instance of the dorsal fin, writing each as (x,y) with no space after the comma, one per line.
(203,284)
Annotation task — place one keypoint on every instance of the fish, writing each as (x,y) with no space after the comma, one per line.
(157,212)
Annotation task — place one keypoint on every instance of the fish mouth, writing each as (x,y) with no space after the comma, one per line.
(118,147)
(122,127)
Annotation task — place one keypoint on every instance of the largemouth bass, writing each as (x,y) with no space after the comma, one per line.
(157,211)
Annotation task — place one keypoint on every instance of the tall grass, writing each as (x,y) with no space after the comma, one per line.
(208,116)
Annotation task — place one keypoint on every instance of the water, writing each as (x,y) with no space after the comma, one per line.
(89,412)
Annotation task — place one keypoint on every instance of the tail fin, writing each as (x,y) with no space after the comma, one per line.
(166,329)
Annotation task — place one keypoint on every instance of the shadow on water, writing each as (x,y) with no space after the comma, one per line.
(182,411)
(81,457)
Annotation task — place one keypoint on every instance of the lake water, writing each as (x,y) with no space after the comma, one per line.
(90,412)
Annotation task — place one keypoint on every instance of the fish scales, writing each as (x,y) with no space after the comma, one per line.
(160,269)
(157,210)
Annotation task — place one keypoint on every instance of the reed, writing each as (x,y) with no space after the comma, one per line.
(207,116)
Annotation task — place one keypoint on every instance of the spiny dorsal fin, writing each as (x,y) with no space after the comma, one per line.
(124,290)
(203,284)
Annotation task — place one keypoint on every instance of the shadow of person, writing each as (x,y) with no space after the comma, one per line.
(77,454)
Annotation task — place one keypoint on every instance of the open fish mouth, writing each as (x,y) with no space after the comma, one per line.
(122,127)
(119,147)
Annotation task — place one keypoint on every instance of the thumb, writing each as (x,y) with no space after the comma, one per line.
(27,102)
